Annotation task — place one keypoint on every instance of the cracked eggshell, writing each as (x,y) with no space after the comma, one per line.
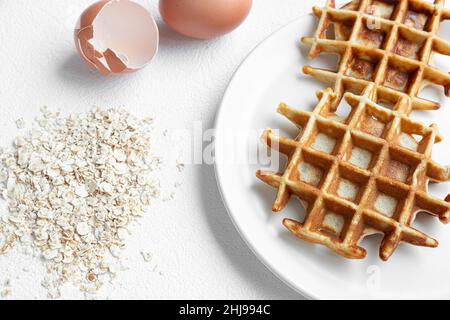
(116,36)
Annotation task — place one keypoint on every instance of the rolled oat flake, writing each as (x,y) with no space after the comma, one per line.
(73,185)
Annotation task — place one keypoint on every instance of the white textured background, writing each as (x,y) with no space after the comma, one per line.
(197,252)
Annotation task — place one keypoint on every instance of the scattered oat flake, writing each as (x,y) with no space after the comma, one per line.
(20,123)
(83,228)
(73,186)
(6,292)
(169,196)
(81,191)
(147,256)
(180,166)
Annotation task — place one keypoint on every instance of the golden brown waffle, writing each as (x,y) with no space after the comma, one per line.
(362,174)
(385,42)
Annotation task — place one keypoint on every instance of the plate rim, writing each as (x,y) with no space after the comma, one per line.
(296,287)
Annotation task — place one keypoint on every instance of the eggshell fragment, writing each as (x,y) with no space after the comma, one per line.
(204,19)
(116,36)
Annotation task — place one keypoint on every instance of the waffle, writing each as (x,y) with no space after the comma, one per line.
(357,175)
(385,42)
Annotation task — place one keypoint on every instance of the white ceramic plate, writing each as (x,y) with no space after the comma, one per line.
(269,75)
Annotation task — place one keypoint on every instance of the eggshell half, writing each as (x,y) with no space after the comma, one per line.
(204,19)
(116,36)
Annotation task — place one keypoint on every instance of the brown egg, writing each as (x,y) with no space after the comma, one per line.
(204,19)
(116,36)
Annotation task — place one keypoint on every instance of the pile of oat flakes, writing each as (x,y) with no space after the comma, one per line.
(73,185)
